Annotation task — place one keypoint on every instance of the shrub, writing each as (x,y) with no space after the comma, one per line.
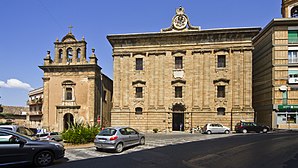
(79,133)
(155,130)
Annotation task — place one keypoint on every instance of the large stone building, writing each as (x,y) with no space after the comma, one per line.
(74,89)
(275,70)
(182,76)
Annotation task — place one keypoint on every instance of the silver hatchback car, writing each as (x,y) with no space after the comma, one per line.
(118,138)
(211,128)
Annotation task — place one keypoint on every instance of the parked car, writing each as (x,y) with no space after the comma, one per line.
(211,128)
(118,138)
(19,129)
(245,127)
(16,148)
(56,136)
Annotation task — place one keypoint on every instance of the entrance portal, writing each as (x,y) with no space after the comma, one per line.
(67,120)
(178,117)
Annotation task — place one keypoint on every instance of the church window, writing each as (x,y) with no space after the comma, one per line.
(139,63)
(69,55)
(79,54)
(178,63)
(221,61)
(60,56)
(68,94)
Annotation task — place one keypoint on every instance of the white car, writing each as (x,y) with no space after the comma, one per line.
(212,128)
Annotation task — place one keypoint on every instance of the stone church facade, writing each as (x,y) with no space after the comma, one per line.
(182,75)
(74,88)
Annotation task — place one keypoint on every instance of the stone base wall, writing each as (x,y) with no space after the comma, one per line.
(163,121)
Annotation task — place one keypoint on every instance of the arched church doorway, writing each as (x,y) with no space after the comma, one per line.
(178,117)
(67,120)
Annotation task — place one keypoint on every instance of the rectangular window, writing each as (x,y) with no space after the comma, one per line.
(178,92)
(139,92)
(139,110)
(293,36)
(292,56)
(221,91)
(139,63)
(221,61)
(178,63)
(68,94)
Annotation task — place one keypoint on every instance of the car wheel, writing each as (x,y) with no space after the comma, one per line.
(244,131)
(43,158)
(209,132)
(227,131)
(98,149)
(119,148)
(142,141)
(265,130)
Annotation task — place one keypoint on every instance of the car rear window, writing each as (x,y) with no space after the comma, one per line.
(6,128)
(107,132)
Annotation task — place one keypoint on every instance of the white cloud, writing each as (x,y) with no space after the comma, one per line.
(15,83)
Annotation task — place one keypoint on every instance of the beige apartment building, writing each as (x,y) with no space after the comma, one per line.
(74,88)
(182,77)
(275,70)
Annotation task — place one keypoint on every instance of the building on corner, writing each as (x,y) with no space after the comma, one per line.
(275,70)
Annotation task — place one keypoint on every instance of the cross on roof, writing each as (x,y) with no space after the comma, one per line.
(70,27)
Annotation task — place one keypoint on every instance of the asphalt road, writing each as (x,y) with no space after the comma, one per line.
(272,150)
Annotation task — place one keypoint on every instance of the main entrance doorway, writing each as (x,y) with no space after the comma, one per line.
(178,117)
(67,120)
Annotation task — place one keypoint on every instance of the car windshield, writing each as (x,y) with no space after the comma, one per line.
(107,132)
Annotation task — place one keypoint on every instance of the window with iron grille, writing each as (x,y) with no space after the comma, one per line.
(221,91)
(139,63)
(178,63)
(221,61)
(221,111)
(178,92)
(68,94)
(139,92)
(138,110)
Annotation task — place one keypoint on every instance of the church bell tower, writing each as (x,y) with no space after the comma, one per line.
(289,8)
(72,85)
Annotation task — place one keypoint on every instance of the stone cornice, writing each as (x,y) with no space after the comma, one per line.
(71,68)
(202,36)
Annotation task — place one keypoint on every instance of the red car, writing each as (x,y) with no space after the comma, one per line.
(245,127)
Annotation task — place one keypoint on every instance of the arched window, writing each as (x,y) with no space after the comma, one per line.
(221,111)
(60,56)
(294,12)
(79,54)
(69,55)
(139,110)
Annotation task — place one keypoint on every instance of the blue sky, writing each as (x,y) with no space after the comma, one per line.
(29,28)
